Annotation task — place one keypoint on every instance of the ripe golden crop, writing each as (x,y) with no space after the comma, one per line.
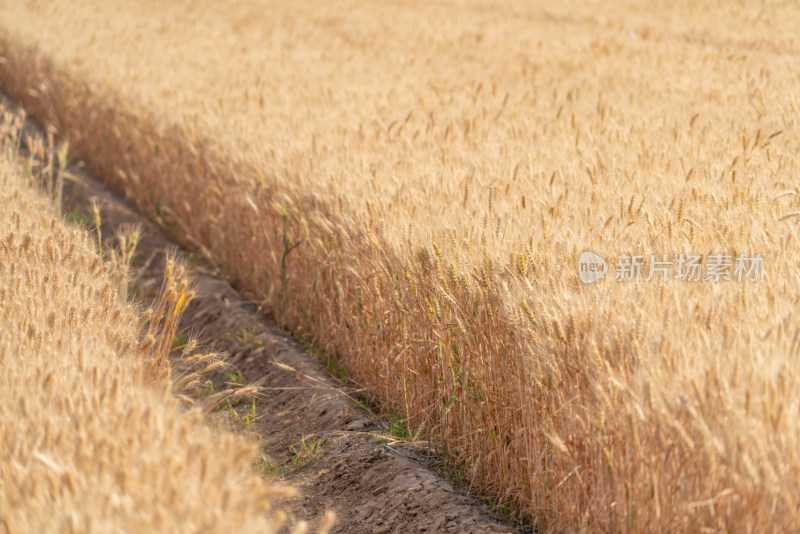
(413,183)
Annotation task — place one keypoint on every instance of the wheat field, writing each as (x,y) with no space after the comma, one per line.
(410,186)
(92,438)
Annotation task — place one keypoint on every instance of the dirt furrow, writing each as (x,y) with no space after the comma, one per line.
(314,433)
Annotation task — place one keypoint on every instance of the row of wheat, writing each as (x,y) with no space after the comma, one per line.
(92,438)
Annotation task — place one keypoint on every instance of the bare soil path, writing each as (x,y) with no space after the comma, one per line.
(313,434)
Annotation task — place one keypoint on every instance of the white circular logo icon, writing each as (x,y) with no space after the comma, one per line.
(591,267)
